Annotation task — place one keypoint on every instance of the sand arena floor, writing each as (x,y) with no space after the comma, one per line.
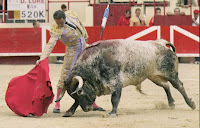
(135,110)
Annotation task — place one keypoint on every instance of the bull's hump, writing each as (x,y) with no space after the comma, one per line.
(104,42)
(108,43)
(98,46)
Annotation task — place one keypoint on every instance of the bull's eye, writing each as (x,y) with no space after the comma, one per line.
(79,92)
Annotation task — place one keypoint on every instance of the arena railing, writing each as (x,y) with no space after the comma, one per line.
(92,3)
(19,41)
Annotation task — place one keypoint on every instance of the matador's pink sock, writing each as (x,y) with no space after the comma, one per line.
(95,105)
(97,108)
(57,106)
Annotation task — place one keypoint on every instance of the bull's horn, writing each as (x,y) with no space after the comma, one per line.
(80,85)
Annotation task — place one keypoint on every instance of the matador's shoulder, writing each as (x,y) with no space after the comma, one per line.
(54,26)
(71,13)
(55,29)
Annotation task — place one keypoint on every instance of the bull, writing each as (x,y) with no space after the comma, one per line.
(111,65)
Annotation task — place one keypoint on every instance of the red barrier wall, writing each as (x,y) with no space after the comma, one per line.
(185,44)
(28,41)
(20,40)
(172,20)
(117,33)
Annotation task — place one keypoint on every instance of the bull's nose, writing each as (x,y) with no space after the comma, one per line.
(87,109)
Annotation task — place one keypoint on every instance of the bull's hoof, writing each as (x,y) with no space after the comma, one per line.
(172,105)
(56,110)
(68,114)
(108,115)
(113,115)
(192,105)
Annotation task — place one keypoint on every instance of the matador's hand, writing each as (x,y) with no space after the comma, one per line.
(37,62)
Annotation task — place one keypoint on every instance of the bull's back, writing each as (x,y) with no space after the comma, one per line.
(123,49)
(138,59)
(121,52)
(132,61)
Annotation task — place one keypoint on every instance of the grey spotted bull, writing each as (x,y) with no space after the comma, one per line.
(111,65)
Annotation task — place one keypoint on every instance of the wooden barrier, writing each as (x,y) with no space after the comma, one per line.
(31,41)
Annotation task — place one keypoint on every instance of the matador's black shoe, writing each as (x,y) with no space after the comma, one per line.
(56,110)
(98,109)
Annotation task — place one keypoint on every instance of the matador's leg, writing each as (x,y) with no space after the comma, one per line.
(70,57)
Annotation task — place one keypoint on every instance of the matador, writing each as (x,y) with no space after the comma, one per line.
(71,32)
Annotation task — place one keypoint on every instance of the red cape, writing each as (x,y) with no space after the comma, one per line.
(31,93)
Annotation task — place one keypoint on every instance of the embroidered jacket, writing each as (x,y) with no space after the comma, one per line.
(68,35)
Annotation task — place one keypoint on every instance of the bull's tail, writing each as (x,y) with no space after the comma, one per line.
(138,88)
(165,42)
(172,46)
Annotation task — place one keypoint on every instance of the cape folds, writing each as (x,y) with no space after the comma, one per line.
(31,93)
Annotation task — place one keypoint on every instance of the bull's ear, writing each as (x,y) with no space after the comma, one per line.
(84,79)
(67,82)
